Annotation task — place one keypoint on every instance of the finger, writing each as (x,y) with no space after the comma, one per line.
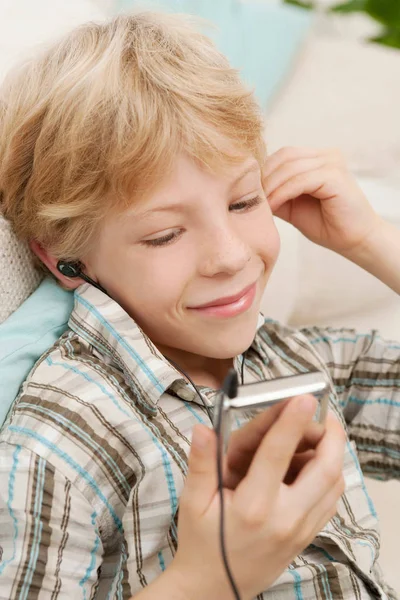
(312,436)
(321,473)
(244,442)
(319,184)
(285,212)
(248,439)
(326,508)
(302,205)
(273,457)
(305,451)
(288,154)
(201,480)
(316,520)
(286,171)
(291,153)
(297,464)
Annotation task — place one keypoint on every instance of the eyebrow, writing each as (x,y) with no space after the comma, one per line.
(179,206)
(176,207)
(254,167)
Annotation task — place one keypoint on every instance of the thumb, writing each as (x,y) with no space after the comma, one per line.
(201,481)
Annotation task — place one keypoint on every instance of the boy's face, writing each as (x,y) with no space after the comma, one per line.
(199,238)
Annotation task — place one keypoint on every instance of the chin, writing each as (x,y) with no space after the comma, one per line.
(228,342)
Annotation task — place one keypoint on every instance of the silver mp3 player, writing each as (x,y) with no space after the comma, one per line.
(263,394)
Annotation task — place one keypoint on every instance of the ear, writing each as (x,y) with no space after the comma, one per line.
(51,263)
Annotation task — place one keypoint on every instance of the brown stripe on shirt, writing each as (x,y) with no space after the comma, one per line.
(64,539)
(36,516)
(46,532)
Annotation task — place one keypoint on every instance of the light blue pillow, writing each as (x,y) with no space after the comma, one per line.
(259,39)
(27,334)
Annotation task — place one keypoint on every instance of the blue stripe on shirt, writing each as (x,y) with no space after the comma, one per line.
(339,340)
(367,496)
(395,454)
(375,382)
(93,553)
(10,499)
(366,401)
(297,584)
(325,581)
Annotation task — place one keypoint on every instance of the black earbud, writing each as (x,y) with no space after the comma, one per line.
(69,269)
(73,270)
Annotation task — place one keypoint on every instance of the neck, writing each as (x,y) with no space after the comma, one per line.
(206,371)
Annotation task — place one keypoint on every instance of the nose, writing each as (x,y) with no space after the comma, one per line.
(224,252)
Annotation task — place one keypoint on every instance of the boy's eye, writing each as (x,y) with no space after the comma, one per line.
(241,206)
(245,204)
(162,241)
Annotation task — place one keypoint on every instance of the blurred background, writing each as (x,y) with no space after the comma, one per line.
(326,74)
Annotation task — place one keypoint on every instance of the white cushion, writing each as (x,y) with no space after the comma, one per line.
(280,298)
(345,94)
(18,277)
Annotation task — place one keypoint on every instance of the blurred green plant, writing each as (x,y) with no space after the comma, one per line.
(385,12)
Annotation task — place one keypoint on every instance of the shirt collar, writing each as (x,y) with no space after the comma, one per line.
(104,324)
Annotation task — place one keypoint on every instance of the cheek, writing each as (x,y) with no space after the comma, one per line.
(273,241)
(155,283)
(264,239)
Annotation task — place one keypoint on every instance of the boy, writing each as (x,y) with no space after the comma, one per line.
(132,157)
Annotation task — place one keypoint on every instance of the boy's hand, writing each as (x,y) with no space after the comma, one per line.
(313,190)
(268,521)
(245,441)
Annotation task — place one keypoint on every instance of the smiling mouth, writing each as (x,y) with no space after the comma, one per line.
(229,306)
(225,300)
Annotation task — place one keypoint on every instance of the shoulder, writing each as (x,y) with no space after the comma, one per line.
(271,327)
(281,338)
(290,349)
(76,412)
(322,347)
(70,380)
(25,472)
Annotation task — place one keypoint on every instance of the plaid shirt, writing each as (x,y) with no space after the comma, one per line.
(93,458)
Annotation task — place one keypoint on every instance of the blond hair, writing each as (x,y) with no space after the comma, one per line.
(98,118)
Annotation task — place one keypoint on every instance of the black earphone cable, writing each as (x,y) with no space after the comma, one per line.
(218,430)
(73,270)
(242,368)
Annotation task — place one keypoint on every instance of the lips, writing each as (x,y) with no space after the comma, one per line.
(226,299)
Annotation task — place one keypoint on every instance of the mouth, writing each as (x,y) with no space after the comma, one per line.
(229,306)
